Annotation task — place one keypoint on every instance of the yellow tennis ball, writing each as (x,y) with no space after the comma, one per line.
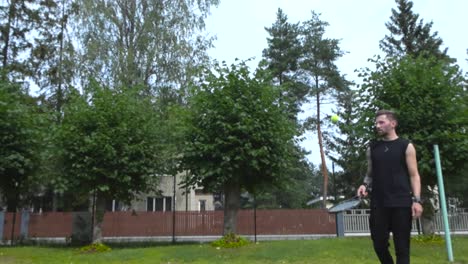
(334,118)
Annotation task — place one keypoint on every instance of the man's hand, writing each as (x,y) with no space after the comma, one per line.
(362,191)
(417,210)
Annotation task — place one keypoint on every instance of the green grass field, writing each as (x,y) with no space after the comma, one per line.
(327,250)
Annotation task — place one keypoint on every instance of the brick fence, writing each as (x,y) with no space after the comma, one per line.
(160,224)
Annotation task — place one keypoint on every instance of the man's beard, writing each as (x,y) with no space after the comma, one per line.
(381,132)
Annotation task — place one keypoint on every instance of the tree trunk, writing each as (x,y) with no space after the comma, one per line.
(98,218)
(11,206)
(12,195)
(11,14)
(322,153)
(428,226)
(59,88)
(231,206)
(427,218)
(11,203)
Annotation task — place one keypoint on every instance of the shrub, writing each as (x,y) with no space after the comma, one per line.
(95,248)
(230,240)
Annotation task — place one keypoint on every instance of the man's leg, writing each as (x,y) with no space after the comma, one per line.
(401,229)
(379,226)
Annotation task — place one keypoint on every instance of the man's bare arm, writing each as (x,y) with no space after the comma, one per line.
(368,177)
(412,164)
(415,180)
(363,188)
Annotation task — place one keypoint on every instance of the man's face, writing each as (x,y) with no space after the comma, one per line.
(383,125)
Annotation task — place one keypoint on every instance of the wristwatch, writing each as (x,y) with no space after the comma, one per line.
(417,200)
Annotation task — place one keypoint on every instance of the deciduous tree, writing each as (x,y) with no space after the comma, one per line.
(109,143)
(141,42)
(238,136)
(428,95)
(21,133)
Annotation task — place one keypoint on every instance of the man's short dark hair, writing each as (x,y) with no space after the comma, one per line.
(389,113)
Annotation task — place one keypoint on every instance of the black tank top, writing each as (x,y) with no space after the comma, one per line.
(391,185)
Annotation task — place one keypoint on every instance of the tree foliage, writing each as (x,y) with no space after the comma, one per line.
(53,55)
(284,48)
(142,42)
(109,145)
(292,193)
(18,18)
(429,97)
(152,47)
(281,59)
(238,136)
(398,83)
(302,61)
(21,133)
(344,142)
(417,40)
(409,35)
(109,142)
(320,74)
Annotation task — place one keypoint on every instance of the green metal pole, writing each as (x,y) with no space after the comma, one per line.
(448,241)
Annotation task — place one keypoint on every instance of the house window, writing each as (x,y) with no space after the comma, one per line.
(159,204)
(168,204)
(202,205)
(159,201)
(150,204)
(113,205)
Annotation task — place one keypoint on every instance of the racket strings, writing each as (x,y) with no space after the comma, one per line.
(345,205)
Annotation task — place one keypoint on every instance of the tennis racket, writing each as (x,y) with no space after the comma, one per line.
(345,205)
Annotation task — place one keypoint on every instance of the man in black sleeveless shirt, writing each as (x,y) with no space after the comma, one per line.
(396,186)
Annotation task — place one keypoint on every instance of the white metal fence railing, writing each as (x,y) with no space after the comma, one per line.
(357,221)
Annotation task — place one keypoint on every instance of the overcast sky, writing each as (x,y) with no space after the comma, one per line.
(239,26)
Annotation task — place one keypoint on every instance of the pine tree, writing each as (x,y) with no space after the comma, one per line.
(320,74)
(282,60)
(17,19)
(409,35)
(284,48)
(53,55)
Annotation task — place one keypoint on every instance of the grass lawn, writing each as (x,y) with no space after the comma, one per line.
(328,250)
